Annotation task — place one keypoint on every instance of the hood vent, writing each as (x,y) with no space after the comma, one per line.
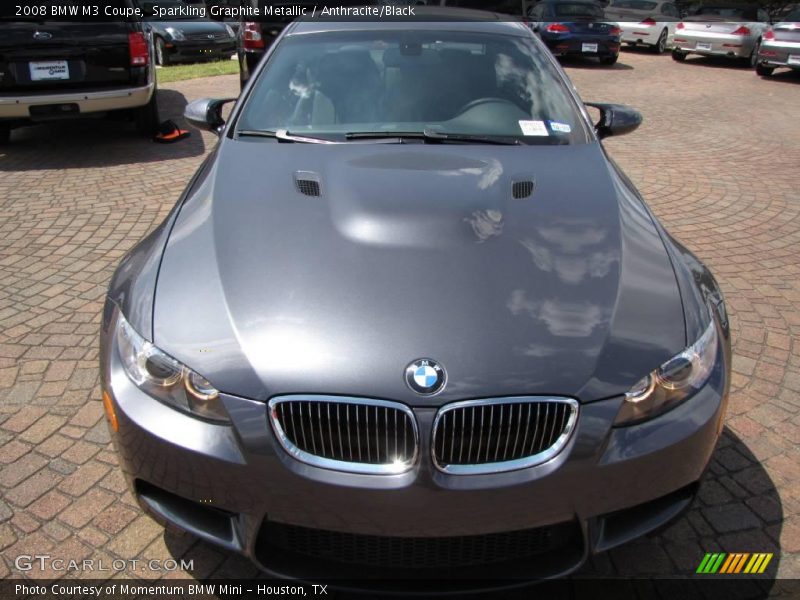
(307,183)
(521,189)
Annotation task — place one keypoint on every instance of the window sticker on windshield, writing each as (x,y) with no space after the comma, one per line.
(533,128)
(560,127)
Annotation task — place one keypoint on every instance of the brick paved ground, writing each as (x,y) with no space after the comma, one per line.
(717,159)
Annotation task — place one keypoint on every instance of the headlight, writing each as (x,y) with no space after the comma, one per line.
(230,31)
(175,34)
(164,378)
(673,382)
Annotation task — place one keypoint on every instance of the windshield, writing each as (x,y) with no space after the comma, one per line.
(727,12)
(792,17)
(576,9)
(634,4)
(331,84)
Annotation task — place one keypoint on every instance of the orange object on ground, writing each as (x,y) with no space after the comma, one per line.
(169,133)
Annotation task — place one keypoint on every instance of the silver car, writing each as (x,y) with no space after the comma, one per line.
(645,22)
(780,46)
(729,30)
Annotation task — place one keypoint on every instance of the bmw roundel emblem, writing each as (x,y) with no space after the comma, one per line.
(425,376)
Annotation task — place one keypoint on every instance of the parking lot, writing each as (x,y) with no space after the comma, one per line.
(716,158)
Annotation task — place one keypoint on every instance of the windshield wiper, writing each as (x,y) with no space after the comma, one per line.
(283,136)
(433,136)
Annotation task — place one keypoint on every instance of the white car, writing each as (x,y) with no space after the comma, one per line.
(645,22)
(730,30)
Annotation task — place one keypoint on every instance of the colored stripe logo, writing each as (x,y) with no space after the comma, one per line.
(734,563)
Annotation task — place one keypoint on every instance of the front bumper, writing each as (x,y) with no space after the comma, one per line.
(780,54)
(19,107)
(234,485)
(713,44)
(195,50)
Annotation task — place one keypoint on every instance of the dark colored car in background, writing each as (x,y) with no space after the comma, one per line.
(426,348)
(576,28)
(189,38)
(256,36)
(512,8)
(54,69)
(780,46)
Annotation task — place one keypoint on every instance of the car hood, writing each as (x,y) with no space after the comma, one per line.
(416,251)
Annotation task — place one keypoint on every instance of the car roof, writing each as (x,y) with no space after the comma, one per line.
(427,18)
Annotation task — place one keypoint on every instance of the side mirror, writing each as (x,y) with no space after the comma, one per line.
(615,119)
(206,113)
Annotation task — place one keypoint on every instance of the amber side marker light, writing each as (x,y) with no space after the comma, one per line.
(109,406)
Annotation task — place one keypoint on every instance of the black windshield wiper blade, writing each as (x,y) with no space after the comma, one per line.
(430,135)
(283,136)
(381,135)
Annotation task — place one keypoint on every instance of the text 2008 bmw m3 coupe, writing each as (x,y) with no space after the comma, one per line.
(409,319)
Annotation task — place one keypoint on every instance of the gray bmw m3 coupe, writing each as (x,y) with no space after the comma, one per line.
(410,319)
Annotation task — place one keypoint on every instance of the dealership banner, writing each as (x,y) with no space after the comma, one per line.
(719,588)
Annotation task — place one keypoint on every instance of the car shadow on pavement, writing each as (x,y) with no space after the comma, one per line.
(718,62)
(97,142)
(646,50)
(578,62)
(784,76)
(737,510)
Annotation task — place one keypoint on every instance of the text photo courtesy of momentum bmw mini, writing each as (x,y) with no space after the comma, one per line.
(320,296)
(423,327)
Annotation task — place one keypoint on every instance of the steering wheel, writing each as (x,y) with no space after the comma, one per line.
(481,101)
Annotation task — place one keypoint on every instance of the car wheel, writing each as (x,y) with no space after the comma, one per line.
(609,60)
(752,61)
(661,44)
(147,120)
(764,70)
(678,55)
(5,134)
(162,58)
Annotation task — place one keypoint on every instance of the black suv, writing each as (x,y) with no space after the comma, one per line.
(57,67)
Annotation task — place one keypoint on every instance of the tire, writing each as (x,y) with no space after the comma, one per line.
(764,70)
(5,135)
(162,58)
(609,60)
(678,55)
(147,120)
(661,44)
(752,60)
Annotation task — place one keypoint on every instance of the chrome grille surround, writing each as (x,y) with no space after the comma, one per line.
(393,425)
(555,433)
